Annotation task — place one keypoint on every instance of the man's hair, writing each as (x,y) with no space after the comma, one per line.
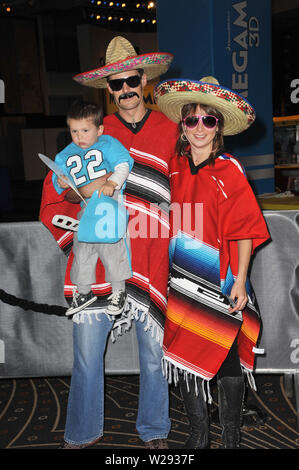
(86,110)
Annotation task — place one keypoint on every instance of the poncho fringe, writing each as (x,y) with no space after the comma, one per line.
(171,371)
(133,311)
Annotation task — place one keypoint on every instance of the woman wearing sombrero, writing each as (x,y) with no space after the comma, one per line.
(212,323)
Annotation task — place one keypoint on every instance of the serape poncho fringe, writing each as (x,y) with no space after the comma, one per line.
(199,331)
(147,198)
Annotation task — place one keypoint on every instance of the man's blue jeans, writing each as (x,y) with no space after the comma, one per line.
(85,413)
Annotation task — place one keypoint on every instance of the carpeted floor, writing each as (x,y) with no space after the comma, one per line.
(33,411)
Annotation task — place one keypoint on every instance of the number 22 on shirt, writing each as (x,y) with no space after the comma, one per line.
(85,169)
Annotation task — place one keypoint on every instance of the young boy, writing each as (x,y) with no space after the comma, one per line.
(89,156)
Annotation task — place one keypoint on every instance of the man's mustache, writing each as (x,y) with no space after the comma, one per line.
(125,96)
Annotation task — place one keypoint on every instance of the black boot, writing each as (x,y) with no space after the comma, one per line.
(197,413)
(230,397)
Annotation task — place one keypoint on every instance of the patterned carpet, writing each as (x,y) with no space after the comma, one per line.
(33,411)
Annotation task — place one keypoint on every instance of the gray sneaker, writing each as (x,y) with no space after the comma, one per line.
(80,301)
(117,302)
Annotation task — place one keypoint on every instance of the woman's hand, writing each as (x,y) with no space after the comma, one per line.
(238,292)
(239,295)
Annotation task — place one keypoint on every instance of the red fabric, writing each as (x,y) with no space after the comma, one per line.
(147,187)
(198,330)
(52,204)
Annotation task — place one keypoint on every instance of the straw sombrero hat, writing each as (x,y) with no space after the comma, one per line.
(120,57)
(172,94)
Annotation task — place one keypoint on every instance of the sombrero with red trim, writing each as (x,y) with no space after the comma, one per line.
(121,57)
(172,94)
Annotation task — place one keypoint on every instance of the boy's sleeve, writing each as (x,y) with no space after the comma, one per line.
(119,154)
(120,174)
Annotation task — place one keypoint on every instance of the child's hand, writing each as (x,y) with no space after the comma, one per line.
(108,188)
(63,184)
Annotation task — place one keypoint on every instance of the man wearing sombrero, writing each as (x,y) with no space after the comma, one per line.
(150,138)
(212,320)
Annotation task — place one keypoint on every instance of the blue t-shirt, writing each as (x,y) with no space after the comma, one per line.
(85,165)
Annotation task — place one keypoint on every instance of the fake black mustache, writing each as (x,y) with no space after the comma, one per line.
(125,96)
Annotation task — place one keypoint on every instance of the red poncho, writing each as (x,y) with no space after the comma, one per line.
(147,196)
(218,208)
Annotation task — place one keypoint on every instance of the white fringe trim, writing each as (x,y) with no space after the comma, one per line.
(171,370)
(250,378)
(140,312)
(133,311)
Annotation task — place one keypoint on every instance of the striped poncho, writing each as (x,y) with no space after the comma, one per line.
(147,195)
(218,208)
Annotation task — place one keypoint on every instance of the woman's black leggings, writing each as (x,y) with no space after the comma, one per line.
(231,366)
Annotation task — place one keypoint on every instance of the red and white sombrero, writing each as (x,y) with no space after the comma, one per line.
(120,57)
(172,94)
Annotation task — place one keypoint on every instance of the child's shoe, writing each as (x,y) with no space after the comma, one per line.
(117,302)
(80,301)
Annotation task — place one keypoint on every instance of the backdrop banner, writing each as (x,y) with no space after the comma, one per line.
(230,40)
(275,279)
(34,344)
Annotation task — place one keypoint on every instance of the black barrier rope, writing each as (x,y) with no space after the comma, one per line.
(29,305)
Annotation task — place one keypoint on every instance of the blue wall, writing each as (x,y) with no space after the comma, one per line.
(230,40)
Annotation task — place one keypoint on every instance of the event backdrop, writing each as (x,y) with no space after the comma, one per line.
(230,40)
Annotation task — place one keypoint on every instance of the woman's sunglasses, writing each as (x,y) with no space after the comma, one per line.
(118,83)
(208,121)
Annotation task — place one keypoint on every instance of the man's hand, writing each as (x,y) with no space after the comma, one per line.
(87,190)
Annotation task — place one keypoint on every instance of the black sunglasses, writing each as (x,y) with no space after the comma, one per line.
(118,83)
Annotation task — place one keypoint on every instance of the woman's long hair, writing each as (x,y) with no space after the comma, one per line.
(183,146)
